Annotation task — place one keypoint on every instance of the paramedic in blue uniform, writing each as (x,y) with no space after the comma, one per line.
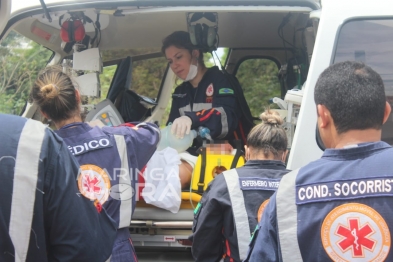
(42,216)
(110,157)
(340,206)
(234,201)
(205,98)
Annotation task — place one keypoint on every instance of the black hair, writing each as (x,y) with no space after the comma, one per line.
(354,94)
(180,39)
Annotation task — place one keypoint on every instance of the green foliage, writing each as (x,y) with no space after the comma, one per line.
(20,62)
(146,74)
(259,81)
(215,59)
(224,55)
(106,78)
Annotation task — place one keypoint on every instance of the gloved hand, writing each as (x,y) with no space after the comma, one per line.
(181,126)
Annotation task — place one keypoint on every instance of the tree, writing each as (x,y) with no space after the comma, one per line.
(260,84)
(20,62)
(146,74)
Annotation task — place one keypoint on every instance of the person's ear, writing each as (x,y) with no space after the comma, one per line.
(284,156)
(195,54)
(246,152)
(324,116)
(386,114)
(78,96)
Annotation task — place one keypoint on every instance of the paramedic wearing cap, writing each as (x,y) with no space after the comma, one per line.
(234,201)
(110,157)
(42,216)
(340,206)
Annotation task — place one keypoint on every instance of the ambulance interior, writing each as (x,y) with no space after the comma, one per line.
(282,35)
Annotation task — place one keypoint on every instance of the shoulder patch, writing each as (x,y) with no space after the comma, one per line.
(89,145)
(178,95)
(94,183)
(355,232)
(210,90)
(344,189)
(225,91)
(258,183)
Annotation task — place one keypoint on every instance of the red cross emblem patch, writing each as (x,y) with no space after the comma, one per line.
(210,90)
(94,183)
(356,237)
(354,232)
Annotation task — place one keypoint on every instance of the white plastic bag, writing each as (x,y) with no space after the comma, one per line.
(162,184)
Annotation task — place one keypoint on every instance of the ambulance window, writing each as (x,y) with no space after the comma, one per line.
(147,73)
(20,61)
(147,76)
(105,79)
(258,78)
(371,42)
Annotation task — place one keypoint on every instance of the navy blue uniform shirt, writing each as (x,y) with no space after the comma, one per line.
(214,229)
(111,159)
(65,226)
(212,104)
(342,207)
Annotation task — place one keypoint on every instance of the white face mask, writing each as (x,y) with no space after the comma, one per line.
(192,72)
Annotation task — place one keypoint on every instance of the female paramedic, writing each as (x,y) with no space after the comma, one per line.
(205,98)
(233,203)
(109,157)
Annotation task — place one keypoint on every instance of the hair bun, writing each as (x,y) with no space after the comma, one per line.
(271,117)
(49,91)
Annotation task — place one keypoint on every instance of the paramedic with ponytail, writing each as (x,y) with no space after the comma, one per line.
(110,157)
(205,98)
(233,203)
(42,217)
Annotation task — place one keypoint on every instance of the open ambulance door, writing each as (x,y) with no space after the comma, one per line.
(5,11)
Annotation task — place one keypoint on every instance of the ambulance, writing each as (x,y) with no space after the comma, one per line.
(275,48)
